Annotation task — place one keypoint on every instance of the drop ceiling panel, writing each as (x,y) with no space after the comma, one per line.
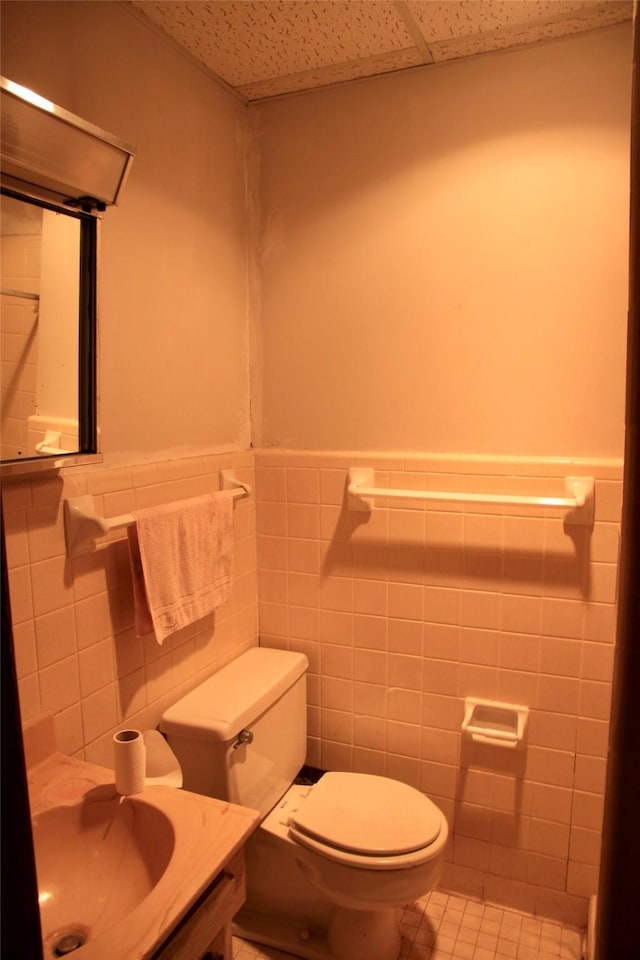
(248,42)
(466,27)
(264,48)
(462,18)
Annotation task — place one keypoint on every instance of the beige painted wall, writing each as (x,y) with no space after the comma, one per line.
(57,386)
(174,376)
(174,334)
(443,257)
(419,235)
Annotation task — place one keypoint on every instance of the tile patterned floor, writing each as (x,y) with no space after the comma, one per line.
(446,927)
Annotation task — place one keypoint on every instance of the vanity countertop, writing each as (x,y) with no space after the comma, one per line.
(206,834)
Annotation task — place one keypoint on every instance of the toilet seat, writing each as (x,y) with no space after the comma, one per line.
(367,821)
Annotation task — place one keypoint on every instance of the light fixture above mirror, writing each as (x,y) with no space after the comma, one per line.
(62,156)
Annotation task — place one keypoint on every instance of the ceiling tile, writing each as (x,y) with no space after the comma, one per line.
(265,48)
(452,19)
(248,42)
(591,17)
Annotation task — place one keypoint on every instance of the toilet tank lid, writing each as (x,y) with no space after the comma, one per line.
(235,696)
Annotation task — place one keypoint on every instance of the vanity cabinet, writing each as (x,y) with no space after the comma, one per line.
(205,932)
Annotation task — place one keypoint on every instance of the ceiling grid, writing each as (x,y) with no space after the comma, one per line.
(267,48)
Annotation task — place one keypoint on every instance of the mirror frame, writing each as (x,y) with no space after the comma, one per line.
(47,166)
(87,320)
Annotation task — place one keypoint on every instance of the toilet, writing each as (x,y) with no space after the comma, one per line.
(331,862)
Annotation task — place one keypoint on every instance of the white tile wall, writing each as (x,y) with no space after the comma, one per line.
(401,613)
(405,612)
(77,653)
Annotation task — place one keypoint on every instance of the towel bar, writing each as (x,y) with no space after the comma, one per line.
(579,502)
(83,526)
(50,446)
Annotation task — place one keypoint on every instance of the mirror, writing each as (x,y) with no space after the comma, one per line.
(47,330)
(59,172)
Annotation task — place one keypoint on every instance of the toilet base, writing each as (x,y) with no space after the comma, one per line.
(283,934)
(364,934)
(372,936)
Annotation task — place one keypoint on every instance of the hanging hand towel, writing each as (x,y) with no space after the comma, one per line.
(181,561)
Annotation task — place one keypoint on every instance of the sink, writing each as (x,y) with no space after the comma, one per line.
(97,860)
(117,876)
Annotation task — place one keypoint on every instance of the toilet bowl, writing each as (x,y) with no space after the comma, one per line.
(368,841)
(368,845)
(330,863)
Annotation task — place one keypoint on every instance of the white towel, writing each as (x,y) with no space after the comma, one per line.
(181,562)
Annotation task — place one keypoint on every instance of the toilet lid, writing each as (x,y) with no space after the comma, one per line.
(366,814)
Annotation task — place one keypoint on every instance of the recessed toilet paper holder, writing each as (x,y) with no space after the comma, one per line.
(494,722)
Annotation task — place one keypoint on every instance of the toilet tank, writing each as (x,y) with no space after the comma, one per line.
(261,695)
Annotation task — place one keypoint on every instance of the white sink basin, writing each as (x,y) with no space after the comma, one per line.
(117,874)
(96,861)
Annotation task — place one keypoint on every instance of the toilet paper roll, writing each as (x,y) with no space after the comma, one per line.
(130,760)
